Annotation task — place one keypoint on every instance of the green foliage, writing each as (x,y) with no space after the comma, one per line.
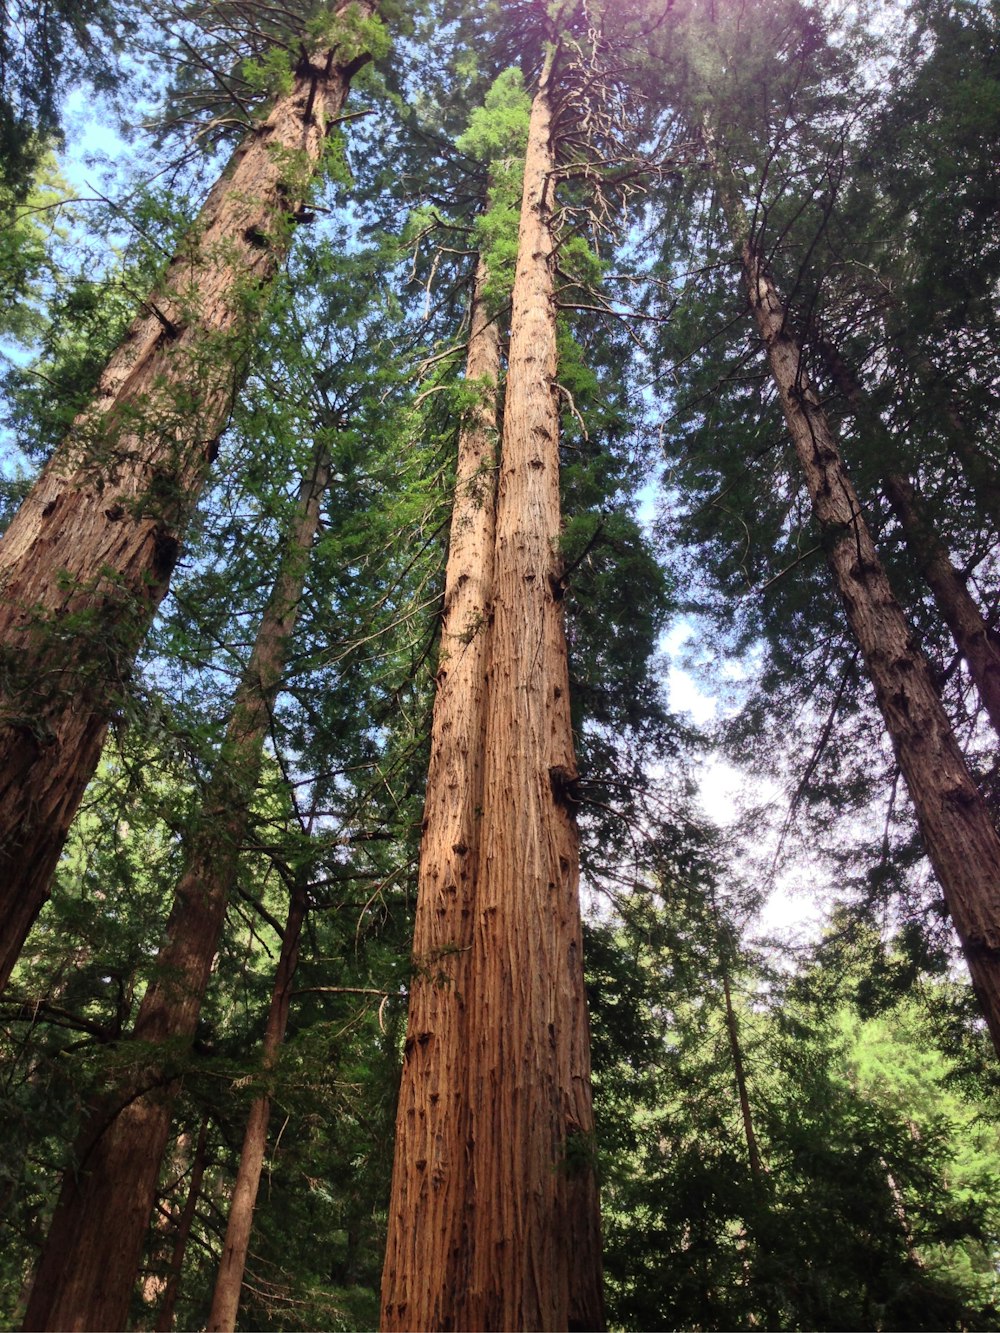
(871,1095)
(499,128)
(271,75)
(43,52)
(350,33)
(876,1204)
(26,244)
(496,135)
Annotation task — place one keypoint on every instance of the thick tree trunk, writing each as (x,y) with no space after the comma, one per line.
(532,1216)
(226,1297)
(165,1317)
(427,1209)
(87,559)
(956,827)
(88,1265)
(956,604)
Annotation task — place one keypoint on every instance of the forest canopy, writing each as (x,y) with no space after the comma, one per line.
(397,403)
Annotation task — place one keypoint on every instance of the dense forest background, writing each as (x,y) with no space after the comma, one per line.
(775,266)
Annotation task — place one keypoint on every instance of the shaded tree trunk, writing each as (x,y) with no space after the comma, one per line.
(978,467)
(91,1256)
(87,559)
(532,1212)
(739,1070)
(426,1237)
(957,831)
(226,1297)
(956,604)
(165,1318)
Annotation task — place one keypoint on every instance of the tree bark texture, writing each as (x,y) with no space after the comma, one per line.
(87,559)
(957,831)
(532,1214)
(229,1282)
(427,1229)
(957,606)
(165,1317)
(91,1256)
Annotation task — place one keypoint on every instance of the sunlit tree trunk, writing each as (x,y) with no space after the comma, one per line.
(91,1255)
(955,825)
(228,1283)
(425,1248)
(532,1217)
(87,559)
(957,606)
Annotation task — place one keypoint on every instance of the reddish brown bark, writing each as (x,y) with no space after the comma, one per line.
(165,1317)
(91,1255)
(424,1250)
(956,604)
(533,1218)
(229,1282)
(87,559)
(957,831)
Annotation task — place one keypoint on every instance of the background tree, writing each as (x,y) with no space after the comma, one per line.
(95,542)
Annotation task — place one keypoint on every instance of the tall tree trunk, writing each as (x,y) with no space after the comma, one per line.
(532,1214)
(427,1208)
(979,468)
(87,559)
(739,1070)
(226,1297)
(956,604)
(955,825)
(89,1262)
(165,1317)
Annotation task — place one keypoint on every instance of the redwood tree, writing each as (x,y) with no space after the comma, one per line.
(91,1256)
(955,823)
(88,558)
(226,1296)
(532,1207)
(425,1243)
(960,611)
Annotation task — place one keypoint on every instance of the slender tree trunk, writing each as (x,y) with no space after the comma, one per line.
(956,827)
(427,1209)
(739,1069)
(87,559)
(532,1213)
(226,1298)
(165,1318)
(979,468)
(91,1256)
(956,604)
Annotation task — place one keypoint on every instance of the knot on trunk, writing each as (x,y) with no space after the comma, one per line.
(565,784)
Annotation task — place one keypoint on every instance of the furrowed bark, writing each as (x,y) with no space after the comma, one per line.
(91,1256)
(956,604)
(165,1317)
(958,833)
(229,1282)
(427,1207)
(87,559)
(533,1216)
